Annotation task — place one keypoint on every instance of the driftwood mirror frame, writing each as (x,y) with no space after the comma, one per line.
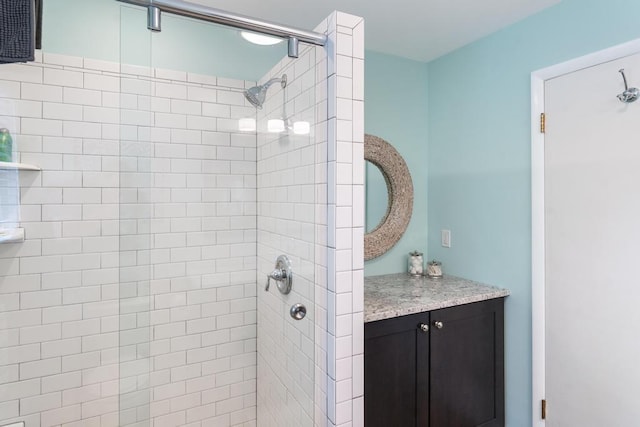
(400,196)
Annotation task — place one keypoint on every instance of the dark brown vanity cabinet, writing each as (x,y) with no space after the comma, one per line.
(443,368)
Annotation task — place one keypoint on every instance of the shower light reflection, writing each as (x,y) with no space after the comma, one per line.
(302,128)
(247,125)
(275,126)
(279,126)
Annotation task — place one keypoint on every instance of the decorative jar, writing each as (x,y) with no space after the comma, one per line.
(416,263)
(434,269)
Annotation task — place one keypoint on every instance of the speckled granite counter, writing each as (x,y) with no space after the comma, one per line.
(395,295)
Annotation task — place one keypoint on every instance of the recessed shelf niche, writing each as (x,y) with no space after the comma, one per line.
(14,235)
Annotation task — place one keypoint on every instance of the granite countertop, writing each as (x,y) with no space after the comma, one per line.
(395,295)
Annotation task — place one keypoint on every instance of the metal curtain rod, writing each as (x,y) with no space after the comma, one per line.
(218,16)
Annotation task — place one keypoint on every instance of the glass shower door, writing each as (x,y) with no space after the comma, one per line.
(136,223)
(200,339)
(286,225)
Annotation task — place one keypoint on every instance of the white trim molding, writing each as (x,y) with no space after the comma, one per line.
(538,79)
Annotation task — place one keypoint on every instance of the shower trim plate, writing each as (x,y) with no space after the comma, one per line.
(283,275)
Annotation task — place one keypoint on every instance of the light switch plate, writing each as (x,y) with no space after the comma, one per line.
(446,238)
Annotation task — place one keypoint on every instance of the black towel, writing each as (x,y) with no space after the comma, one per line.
(17,30)
(39,24)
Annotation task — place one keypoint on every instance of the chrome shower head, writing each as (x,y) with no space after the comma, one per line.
(257,94)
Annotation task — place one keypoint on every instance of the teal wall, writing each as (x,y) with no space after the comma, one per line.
(114,31)
(395,110)
(82,28)
(479,157)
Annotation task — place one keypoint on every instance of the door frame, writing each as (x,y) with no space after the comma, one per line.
(538,79)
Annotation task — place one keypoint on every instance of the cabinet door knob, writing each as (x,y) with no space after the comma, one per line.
(424,327)
(438,324)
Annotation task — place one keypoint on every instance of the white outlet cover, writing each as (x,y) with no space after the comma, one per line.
(446,238)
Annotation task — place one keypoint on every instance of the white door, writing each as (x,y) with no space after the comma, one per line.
(592,242)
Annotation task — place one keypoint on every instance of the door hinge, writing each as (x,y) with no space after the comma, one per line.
(543,123)
(543,414)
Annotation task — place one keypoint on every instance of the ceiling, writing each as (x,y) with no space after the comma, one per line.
(417,29)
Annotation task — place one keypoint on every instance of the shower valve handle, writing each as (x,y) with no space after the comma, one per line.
(283,275)
(277,275)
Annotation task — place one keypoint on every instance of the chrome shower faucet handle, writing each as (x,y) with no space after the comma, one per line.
(277,275)
(283,275)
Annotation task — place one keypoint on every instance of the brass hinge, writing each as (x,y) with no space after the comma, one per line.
(543,123)
(544,409)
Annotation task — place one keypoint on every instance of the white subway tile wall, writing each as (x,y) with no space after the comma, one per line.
(133,300)
(286,225)
(345,222)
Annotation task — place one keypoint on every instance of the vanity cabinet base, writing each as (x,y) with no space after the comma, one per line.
(449,375)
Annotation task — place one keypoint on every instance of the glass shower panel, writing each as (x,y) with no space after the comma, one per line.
(286,225)
(198,233)
(13,286)
(136,221)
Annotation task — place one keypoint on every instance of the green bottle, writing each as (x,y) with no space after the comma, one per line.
(6,145)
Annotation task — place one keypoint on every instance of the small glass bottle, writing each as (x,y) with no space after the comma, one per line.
(434,269)
(416,263)
(6,145)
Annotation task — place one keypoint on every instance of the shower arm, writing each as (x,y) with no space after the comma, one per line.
(283,83)
(285,117)
(274,80)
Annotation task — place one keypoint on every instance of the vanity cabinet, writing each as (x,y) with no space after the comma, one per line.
(442,368)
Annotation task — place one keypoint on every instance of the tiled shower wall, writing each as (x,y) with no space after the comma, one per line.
(287,190)
(286,225)
(135,289)
(137,276)
(345,221)
(187,225)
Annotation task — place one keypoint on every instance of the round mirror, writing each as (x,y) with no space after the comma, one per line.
(375,197)
(399,187)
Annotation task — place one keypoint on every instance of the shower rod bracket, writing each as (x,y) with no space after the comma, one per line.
(293,47)
(154,15)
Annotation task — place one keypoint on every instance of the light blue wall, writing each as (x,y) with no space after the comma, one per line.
(395,110)
(114,31)
(82,28)
(479,157)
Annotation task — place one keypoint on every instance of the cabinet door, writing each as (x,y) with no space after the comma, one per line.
(467,366)
(394,379)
